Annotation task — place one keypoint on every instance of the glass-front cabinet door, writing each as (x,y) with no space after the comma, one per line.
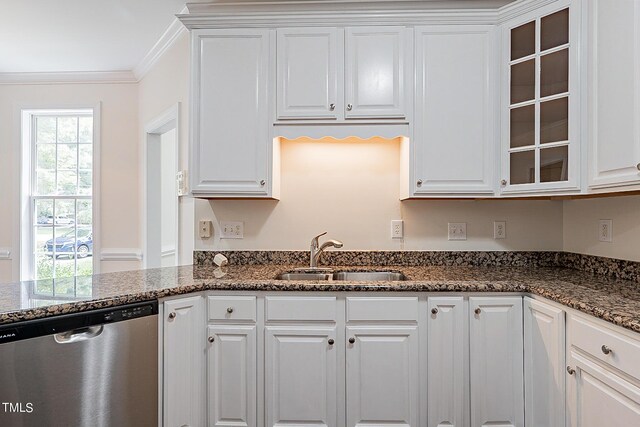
(540,102)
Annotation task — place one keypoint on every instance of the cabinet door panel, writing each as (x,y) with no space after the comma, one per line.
(496,366)
(307,73)
(382,376)
(445,358)
(454,123)
(183,361)
(231,376)
(544,367)
(615,90)
(230,128)
(301,376)
(375,72)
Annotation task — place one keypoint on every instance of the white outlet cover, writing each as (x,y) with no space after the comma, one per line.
(204,227)
(605,230)
(397,229)
(231,230)
(457,230)
(499,229)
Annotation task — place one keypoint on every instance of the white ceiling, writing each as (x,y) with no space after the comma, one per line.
(80,35)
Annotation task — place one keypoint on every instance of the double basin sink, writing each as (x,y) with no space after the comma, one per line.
(344,276)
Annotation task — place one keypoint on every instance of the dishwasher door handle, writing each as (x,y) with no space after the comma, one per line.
(77,335)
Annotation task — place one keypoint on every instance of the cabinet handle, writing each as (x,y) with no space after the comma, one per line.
(638,166)
(172,315)
(331,341)
(503,182)
(211,339)
(262,182)
(332,107)
(419,183)
(606,350)
(349,107)
(477,311)
(352,340)
(434,311)
(229,310)
(570,370)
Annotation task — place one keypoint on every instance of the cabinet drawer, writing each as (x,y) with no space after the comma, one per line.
(301,308)
(590,337)
(232,308)
(386,308)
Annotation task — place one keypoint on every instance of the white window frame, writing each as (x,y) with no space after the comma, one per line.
(27,175)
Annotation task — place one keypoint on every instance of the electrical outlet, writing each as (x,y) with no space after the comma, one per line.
(499,229)
(397,229)
(231,230)
(204,229)
(605,230)
(457,231)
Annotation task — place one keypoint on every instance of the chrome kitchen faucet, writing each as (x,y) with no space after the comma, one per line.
(317,251)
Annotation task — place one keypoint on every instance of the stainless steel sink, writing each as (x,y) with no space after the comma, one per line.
(345,276)
(305,276)
(368,276)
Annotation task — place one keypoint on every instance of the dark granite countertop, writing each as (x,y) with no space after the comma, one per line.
(614,300)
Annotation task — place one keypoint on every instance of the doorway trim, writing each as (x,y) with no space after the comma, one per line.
(168,120)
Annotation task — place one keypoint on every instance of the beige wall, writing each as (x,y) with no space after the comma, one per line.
(119,161)
(580,227)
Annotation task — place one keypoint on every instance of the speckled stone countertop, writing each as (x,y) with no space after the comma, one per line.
(614,300)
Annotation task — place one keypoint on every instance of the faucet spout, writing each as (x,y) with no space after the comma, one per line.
(317,250)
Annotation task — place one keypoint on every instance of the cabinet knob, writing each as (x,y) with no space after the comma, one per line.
(229,310)
(606,350)
(211,339)
(262,182)
(349,107)
(434,311)
(503,182)
(332,107)
(570,370)
(331,341)
(638,166)
(419,183)
(172,315)
(477,311)
(352,340)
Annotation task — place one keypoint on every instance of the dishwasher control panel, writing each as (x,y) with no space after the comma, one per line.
(128,313)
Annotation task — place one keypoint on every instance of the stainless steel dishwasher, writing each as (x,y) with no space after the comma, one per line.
(98,368)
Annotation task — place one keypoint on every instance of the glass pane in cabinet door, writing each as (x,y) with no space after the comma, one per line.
(554,121)
(554,164)
(523,40)
(523,167)
(554,30)
(522,126)
(523,81)
(554,73)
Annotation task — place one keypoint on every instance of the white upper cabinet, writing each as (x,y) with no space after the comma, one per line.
(540,101)
(614,89)
(454,126)
(307,62)
(230,150)
(376,72)
(337,74)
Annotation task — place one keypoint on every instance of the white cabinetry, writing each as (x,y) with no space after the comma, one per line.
(544,364)
(183,361)
(614,92)
(231,152)
(337,74)
(453,147)
(446,355)
(496,366)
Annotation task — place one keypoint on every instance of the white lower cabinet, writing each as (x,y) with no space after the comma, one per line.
(496,365)
(183,327)
(301,369)
(231,375)
(382,375)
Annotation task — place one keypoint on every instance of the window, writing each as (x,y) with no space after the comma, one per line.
(59,154)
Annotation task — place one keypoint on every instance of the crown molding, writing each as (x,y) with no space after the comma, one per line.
(163,44)
(67,77)
(520,7)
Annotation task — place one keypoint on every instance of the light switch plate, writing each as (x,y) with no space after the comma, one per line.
(231,230)
(605,230)
(397,229)
(457,230)
(499,229)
